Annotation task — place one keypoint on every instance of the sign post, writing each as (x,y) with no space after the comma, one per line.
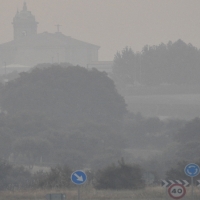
(168,183)
(192,170)
(78,177)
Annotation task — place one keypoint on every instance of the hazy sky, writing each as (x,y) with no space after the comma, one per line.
(111,24)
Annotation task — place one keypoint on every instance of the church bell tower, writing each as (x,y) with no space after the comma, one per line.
(24,24)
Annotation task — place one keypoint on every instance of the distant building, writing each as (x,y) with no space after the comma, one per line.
(29,48)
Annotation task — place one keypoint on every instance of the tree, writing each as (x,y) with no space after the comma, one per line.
(56,113)
(66,94)
(188,151)
(57,177)
(187,138)
(177,172)
(190,132)
(88,144)
(32,149)
(13,177)
(172,63)
(124,67)
(123,176)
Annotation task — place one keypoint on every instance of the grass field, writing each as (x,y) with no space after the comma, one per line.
(88,193)
(184,106)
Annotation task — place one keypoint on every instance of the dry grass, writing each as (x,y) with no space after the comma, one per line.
(32,194)
(88,193)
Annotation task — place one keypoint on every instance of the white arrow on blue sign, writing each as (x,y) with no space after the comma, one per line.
(192,170)
(78,177)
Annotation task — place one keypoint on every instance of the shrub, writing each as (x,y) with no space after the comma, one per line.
(121,176)
(13,177)
(58,177)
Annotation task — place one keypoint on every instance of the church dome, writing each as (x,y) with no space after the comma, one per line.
(24,15)
(24,23)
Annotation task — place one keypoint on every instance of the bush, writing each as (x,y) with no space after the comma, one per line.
(122,176)
(13,177)
(58,177)
(177,172)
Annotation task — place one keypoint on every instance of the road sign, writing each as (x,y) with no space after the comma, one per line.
(198,183)
(176,191)
(167,183)
(192,170)
(78,177)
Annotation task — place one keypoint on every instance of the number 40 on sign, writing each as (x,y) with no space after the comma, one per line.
(176,191)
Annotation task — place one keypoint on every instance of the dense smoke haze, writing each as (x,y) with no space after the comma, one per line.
(110,87)
(111,24)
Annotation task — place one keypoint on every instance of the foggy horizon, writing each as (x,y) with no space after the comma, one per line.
(111,24)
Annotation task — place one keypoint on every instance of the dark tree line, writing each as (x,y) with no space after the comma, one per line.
(188,141)
(68,94)
(121,176)
(171,63)
(61,114)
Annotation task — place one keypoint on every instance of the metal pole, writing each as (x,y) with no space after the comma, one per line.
(79,196)
(166,193)
(192,190)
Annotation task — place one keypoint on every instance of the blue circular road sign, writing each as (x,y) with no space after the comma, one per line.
(192,170)
(78,177)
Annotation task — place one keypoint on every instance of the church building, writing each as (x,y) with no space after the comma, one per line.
(30,48)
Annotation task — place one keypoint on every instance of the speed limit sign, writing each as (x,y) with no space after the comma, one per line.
(176,191)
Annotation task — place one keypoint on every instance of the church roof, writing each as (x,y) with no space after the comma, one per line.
(24,15)
(46,39)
